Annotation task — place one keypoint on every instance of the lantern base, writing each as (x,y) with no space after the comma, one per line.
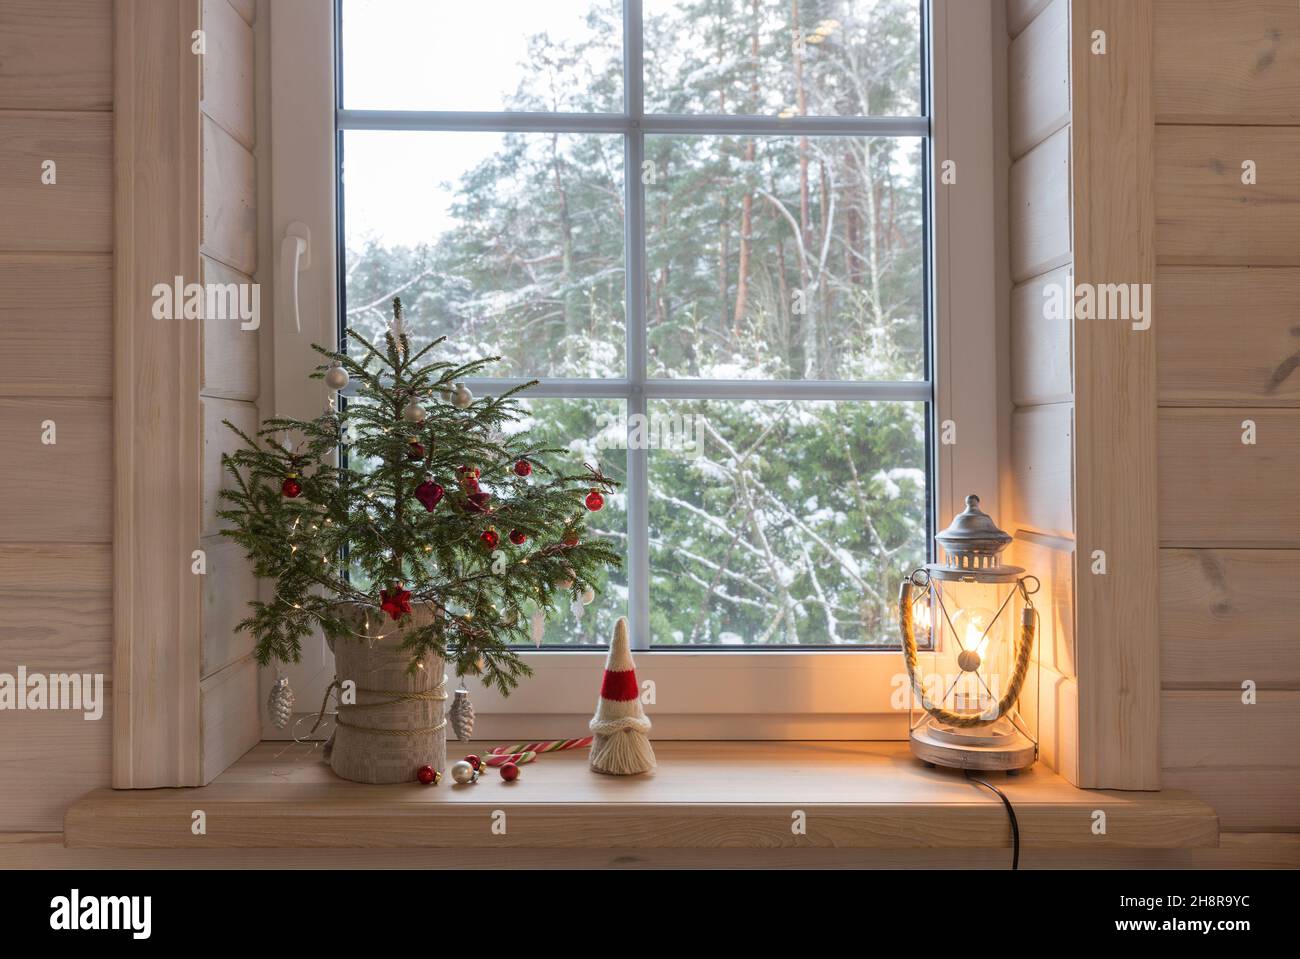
(999,746)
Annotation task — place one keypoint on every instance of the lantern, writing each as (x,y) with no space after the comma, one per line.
(967,680)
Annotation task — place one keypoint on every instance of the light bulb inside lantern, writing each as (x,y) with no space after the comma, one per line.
(972,629)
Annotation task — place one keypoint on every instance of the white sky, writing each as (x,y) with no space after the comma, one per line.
(430,55)
(437,55)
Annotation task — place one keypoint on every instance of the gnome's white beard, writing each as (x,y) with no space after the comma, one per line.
(621,746)
(624,750)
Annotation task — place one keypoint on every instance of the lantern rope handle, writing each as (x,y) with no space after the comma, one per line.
(966,719)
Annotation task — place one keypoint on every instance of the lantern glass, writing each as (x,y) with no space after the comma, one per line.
(978,621)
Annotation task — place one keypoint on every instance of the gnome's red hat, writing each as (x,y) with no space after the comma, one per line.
(620,745)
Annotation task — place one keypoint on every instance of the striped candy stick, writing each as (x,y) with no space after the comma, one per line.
(500,759)
(543,746)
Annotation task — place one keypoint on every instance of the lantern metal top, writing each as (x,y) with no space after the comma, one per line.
(971,547)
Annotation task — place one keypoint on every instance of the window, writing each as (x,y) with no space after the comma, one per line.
(657,230)
(701,226)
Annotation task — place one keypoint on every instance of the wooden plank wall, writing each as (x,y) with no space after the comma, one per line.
(1227,91)
(187,686)
(156,411)
(1083,415)
(56,298)
(228,691)
(1115,493)
(1040,508)
(57,294)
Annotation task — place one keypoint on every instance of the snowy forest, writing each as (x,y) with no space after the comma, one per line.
(766,257)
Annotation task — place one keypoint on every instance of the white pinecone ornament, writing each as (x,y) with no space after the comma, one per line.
(461,715)
(280,704)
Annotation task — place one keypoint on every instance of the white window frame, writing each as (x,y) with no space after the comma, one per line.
(702,694)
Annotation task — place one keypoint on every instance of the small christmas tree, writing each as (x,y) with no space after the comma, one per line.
(410,494)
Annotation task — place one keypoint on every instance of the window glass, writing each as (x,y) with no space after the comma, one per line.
(782,522)
(534,55)
(718,274)
(783,57)
(785,257)
(510,244)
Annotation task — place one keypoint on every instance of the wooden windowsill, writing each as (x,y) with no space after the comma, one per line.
(854,795)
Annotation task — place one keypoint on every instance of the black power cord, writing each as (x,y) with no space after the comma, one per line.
(1011,815)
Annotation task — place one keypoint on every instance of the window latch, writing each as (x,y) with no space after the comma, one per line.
(295,256)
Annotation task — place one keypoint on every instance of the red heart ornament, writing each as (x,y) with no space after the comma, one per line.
(429,493)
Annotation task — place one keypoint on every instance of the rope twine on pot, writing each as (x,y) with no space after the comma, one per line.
(1025,643)
(436,693)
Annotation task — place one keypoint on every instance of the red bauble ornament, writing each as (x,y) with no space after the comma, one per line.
(490,538)
(396,602)
(570,539)
(509,772)
(478,502)
(474,761)
(523,468)
(428,775)
(291,487)
(595,501)
(518,537)
(429,493)
(414,449)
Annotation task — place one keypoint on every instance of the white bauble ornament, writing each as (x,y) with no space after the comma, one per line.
(588,596)
(461,397)
(413,412)
(537,627)
(336,377)
(462,772)
(578,609)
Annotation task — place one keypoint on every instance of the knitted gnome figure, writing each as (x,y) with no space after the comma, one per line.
(620,745)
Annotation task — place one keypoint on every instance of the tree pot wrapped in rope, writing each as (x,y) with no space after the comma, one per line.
(390,718)
(967,652)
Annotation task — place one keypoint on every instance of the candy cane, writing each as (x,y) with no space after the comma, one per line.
(544,746)
(500,759)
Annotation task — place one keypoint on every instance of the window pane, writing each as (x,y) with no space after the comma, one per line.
(783,57)
(509,244)
(791,523)
(785,257)
(590,432)
(561,55)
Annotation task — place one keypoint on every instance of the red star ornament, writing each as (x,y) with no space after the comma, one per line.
(396,602)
